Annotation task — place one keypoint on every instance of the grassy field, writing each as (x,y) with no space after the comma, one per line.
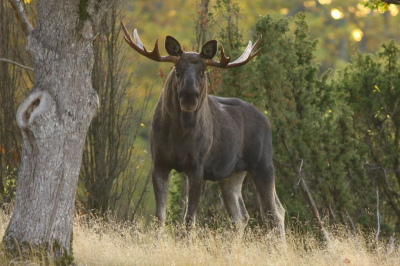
(99,242)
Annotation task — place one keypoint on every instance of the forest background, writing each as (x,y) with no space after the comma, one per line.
(328,80)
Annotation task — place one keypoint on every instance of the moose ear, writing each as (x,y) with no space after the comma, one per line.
(172,46)
(209,50)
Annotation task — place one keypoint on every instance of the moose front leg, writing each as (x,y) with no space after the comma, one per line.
(195,181)
(160,178)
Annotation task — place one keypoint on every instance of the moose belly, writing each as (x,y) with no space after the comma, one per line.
(217,169)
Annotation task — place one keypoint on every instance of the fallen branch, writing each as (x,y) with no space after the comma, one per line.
(351,222)
(377,216)
(391,244)
(314,209)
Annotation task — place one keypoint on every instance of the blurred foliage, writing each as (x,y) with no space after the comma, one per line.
(10,178)
(176,201)
(380,5)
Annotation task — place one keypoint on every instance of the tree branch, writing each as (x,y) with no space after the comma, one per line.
(351,222)
(19,12)
(393,2)
(377,216)
(17,64)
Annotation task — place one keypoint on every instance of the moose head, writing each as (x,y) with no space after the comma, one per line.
(190,67)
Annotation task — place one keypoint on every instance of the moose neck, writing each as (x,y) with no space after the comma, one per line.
(171,109)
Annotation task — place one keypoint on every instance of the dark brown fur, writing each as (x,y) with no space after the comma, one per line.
(210,138)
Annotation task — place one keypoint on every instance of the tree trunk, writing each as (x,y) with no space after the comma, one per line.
(54,119)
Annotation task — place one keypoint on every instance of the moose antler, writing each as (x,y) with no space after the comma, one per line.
(139,47)
(247,55)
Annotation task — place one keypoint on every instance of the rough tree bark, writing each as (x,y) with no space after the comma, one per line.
(54,119)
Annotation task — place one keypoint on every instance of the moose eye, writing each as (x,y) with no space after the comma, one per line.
(177,73)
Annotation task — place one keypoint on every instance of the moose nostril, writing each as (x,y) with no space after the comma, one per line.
(196,93)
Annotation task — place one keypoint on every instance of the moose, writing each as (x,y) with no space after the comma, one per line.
(208,137)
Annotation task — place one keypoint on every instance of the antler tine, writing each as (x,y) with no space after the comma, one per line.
(138,46)
(224,60)
(255,46)
(247,55)
(137,39)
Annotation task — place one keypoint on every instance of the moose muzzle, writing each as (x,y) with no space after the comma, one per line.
(189,96)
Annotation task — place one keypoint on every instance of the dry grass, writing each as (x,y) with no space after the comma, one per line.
(99,242)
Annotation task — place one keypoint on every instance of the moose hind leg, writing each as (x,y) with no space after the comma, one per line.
(280,211)
(264,179)
(231,190)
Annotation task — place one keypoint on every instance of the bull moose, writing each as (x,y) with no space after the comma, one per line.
(208,137)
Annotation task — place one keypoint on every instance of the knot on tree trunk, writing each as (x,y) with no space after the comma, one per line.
(37,103)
